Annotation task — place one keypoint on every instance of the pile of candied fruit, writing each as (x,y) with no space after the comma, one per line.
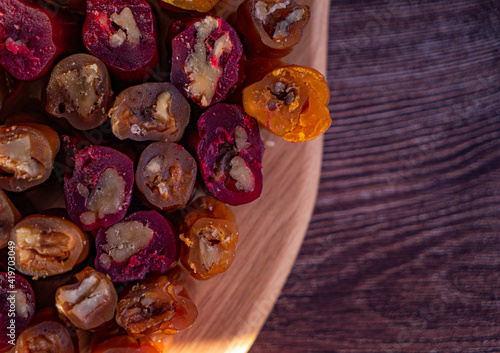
(147,174)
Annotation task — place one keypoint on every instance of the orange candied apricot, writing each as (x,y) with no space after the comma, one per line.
(290,102)
(209,235)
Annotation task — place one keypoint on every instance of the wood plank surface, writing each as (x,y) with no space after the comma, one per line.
(403,250)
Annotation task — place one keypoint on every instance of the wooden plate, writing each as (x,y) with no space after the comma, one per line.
(234,306)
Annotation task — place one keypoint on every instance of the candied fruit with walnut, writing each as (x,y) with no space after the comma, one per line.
(31,38)
(27,154)
(166,175)
(143,242)
(46,334)
(272,27)
(123,35)
(229,151)
(291,102)
(48,245)
(150,111)
(98,191)
(79,90)
(90,302)
(157,305)
(207,60)
(208,235)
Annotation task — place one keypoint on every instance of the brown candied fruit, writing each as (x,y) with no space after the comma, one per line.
(272,27)
(46,334)
(79,90)
(189,5)
(208,236)
(90,302)
(165,176)
(48,245)
(157,305)
(27,153)
(9,216)
(290,102)
(150,111)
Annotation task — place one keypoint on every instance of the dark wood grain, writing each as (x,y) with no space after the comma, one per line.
(403,251)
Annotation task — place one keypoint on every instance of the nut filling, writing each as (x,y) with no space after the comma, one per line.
(204,69)
(158,117)
(90,302)
(164,185)
(34,245)
(229,163)
(212,242)
(107,197)
(45,337)
(22,306)
(277,17)
(16,159)
(44,343)
(153,307)
(81,90)
(127,28)
(283,93)
(156,305)
(124,240)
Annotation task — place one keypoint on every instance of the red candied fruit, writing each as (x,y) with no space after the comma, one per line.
(99,189)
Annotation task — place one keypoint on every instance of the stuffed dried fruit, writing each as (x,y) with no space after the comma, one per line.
(155,305)
(143,242)
(90,302)
(46,334)
(291,102)
(98,190)
(27,154)
(207,59)
(229,151)
(79,90)
(272,27)
(31,38)
(123,35)
(48,245)
(166,175)
(208,236)
(150,112)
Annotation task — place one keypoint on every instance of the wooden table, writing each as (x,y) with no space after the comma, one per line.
(403,250)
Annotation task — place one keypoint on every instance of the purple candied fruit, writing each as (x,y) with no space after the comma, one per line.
(98,191)
(229,151)
(32,38)
(17,309)
(143,242)
(207,60)
(122,33)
